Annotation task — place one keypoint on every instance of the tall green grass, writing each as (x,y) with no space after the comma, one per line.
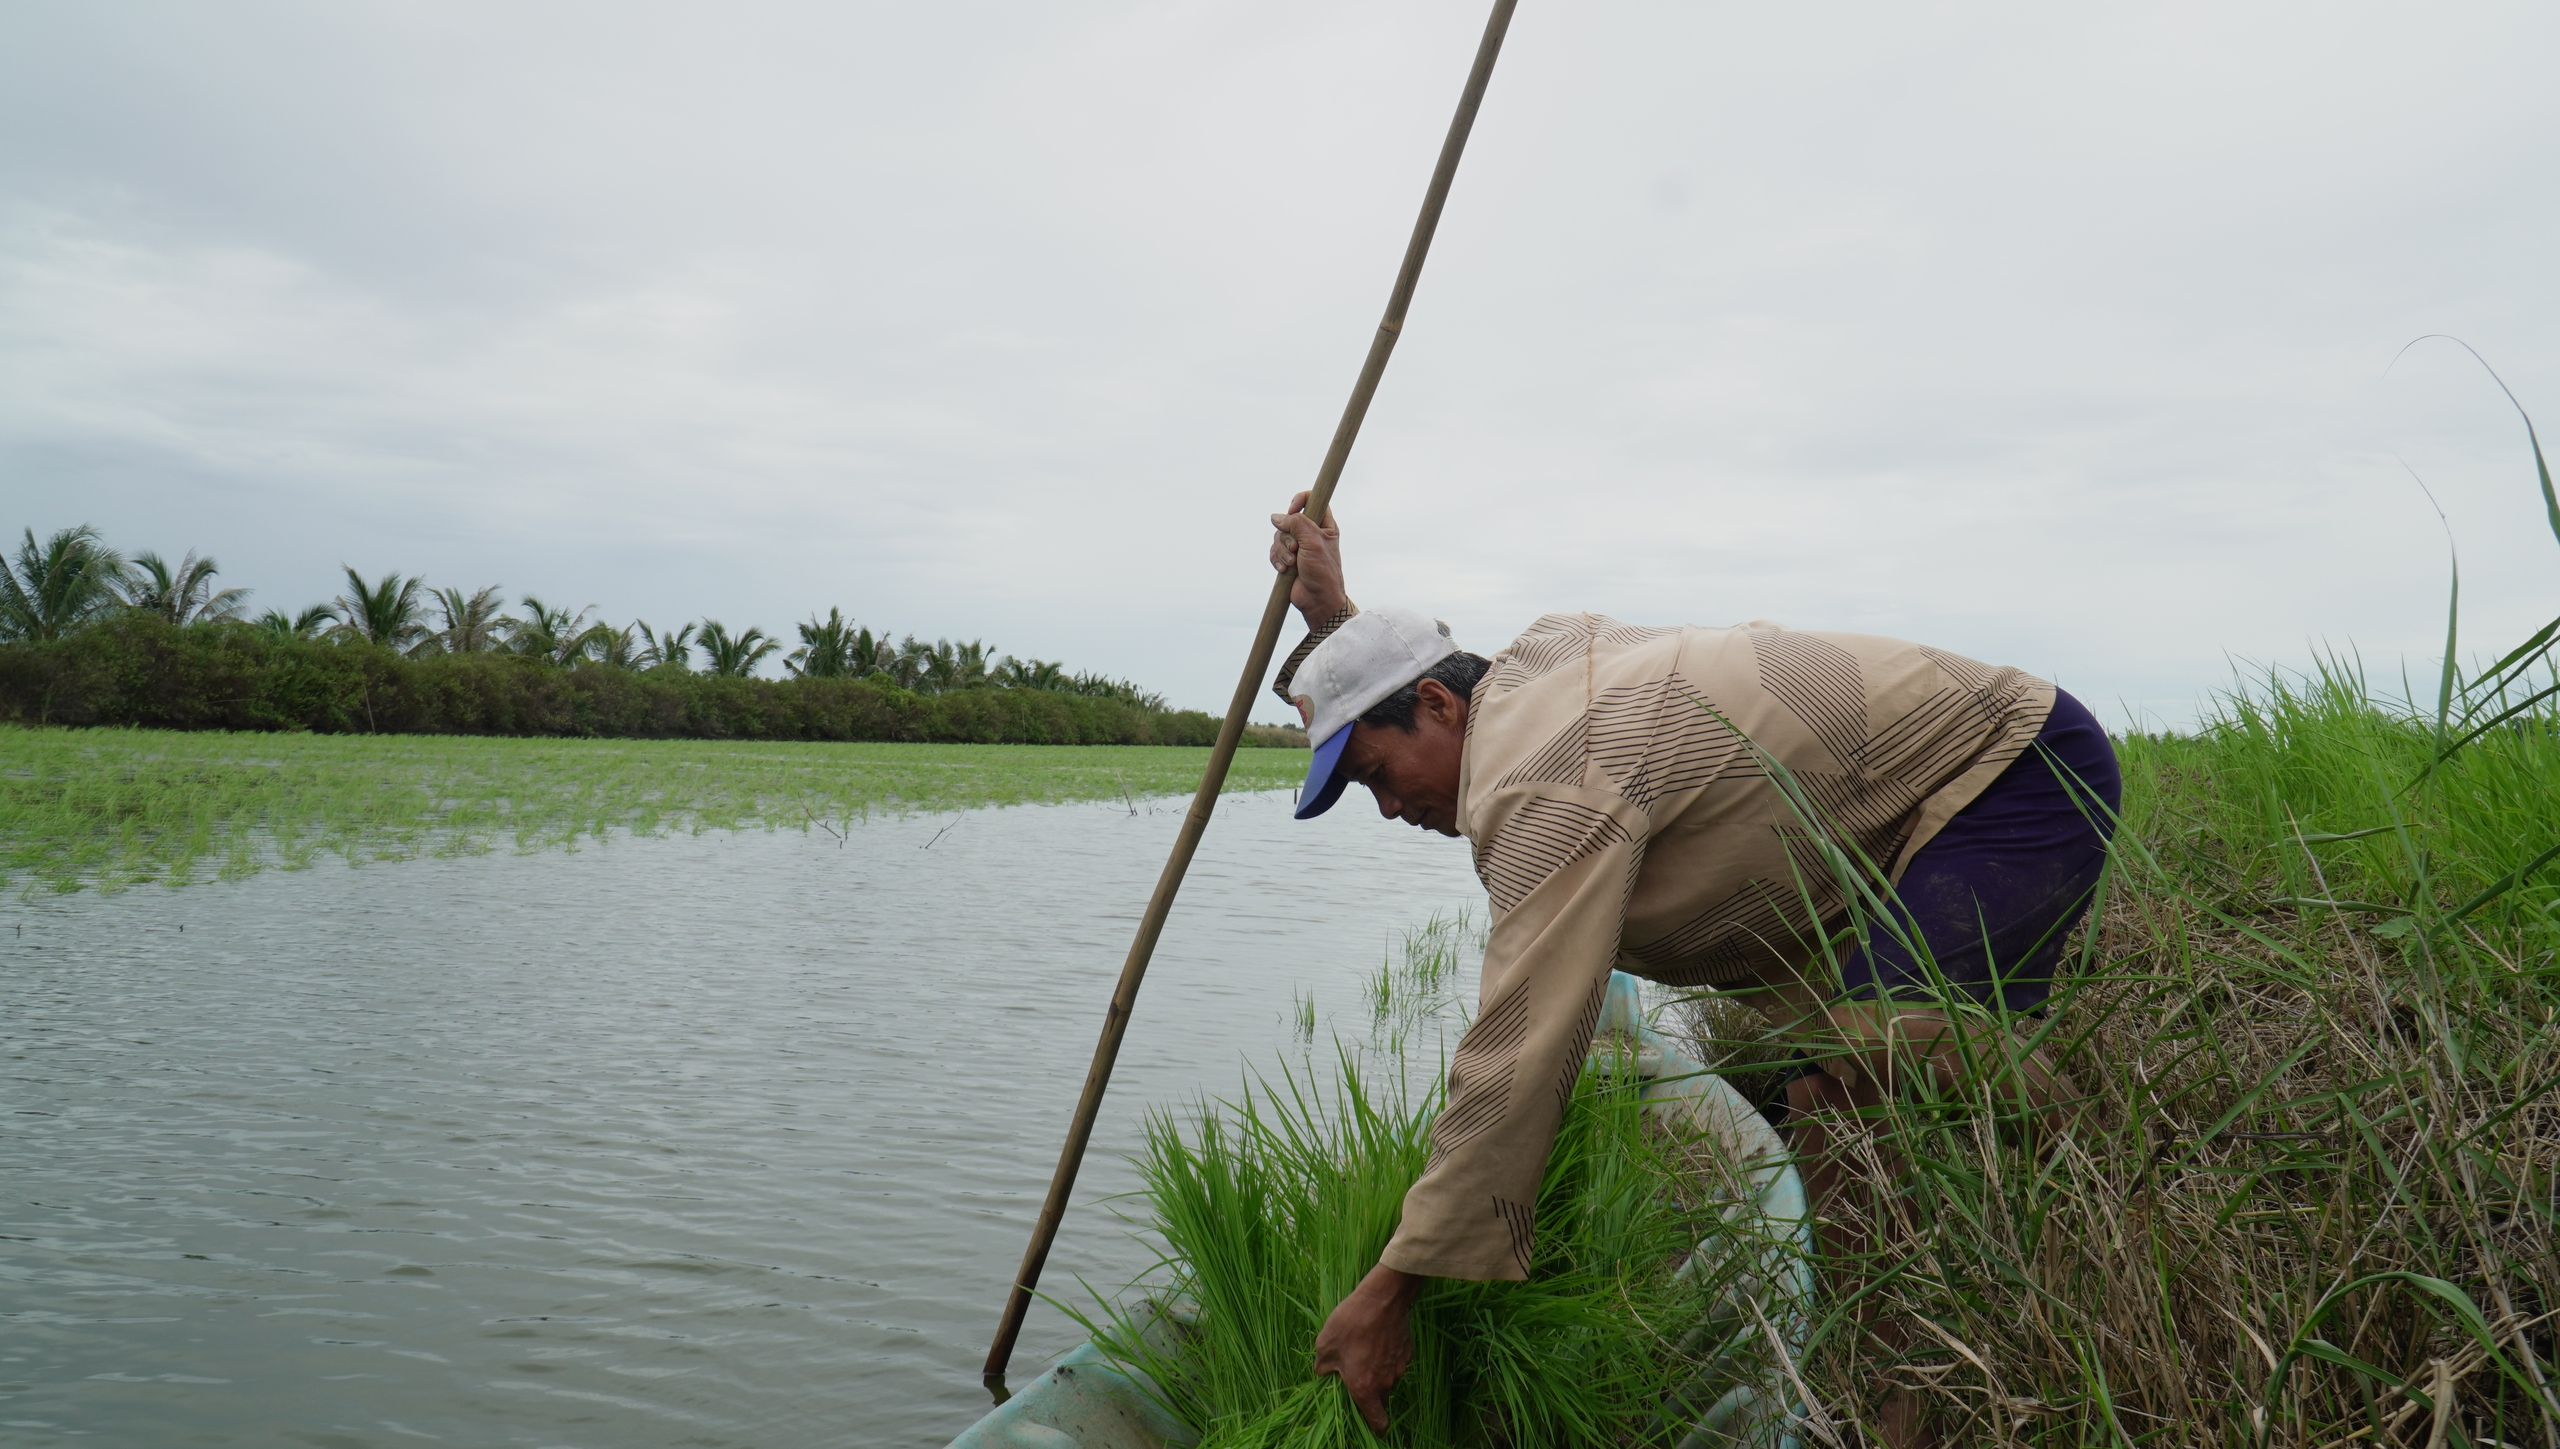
(112,808)
(2310,1194)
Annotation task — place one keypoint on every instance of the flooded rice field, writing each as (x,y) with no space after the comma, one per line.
(722,1140)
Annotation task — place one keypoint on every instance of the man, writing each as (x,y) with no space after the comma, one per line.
(1678,802)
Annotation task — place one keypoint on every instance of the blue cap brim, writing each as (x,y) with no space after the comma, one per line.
(1324,780)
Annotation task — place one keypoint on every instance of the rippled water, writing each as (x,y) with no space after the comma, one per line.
(729,1140)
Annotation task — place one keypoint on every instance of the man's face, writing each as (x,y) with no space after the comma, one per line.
(1414,776)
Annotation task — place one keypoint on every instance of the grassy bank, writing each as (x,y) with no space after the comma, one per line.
(2312,1196)
(2309,1188)
(116,807)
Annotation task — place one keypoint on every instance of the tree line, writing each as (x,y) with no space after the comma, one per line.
(72,581)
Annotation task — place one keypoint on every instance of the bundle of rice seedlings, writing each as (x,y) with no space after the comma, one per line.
(1272,1208)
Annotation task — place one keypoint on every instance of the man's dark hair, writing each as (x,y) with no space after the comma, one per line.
(1461,671)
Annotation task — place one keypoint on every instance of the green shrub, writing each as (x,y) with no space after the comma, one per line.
(139,670)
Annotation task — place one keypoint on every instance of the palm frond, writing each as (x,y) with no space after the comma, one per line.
(55,587)
(671,650)
(735,656)
(388,613)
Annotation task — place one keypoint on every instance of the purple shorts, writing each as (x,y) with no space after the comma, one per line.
(1994,894)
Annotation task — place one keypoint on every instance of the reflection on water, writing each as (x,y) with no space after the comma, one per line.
(731,1140)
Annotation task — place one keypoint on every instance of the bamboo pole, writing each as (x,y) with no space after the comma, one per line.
(1195,821)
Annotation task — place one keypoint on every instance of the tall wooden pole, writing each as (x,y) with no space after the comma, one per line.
(1195,821)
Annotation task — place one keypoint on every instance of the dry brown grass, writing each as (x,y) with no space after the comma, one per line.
(2311,1194)
(2284,1163)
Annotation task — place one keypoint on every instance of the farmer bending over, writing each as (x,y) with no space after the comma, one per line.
(1611,780)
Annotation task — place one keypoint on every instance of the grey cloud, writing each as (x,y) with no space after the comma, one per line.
(2053,337)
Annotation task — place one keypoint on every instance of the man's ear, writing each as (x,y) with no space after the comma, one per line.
(1440,702)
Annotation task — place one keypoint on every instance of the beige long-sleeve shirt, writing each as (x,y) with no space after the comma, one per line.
(1616,789)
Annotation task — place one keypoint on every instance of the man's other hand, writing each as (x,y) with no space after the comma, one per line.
(1316,553)
(1367,1339)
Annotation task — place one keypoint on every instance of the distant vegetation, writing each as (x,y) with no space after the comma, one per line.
(140,670)
(114,808)
(88,637)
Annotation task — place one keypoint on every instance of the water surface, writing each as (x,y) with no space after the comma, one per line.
(722,1140)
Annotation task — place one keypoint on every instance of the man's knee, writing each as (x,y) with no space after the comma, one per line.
(1815,1090)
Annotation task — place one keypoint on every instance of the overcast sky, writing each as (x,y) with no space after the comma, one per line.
(2058,336)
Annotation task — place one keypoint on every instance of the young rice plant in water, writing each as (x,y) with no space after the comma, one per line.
(113,808)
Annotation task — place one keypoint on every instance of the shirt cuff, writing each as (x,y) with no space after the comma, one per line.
(1315,636)
(1494,1263)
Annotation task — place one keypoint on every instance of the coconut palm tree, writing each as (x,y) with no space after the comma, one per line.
(867,656)
(1101,686)
(949,667)
(183,595)
(883,655)
(556,635)
(388,613)
(735,656)
(618,647)
(59,585)
(906,664)
(671,650)
(1012,673)
(831,650)
(309,624)
(472,625)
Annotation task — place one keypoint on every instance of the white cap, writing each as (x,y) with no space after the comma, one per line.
(1372,655)
(1375,653)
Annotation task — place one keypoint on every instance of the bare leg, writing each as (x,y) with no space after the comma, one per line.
(1883,1048)
(1899,1043)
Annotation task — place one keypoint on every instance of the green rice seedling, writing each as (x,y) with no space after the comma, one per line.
(1437,951)
(1380,991)
(1416,983)
(112,808)
(1270,1209)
